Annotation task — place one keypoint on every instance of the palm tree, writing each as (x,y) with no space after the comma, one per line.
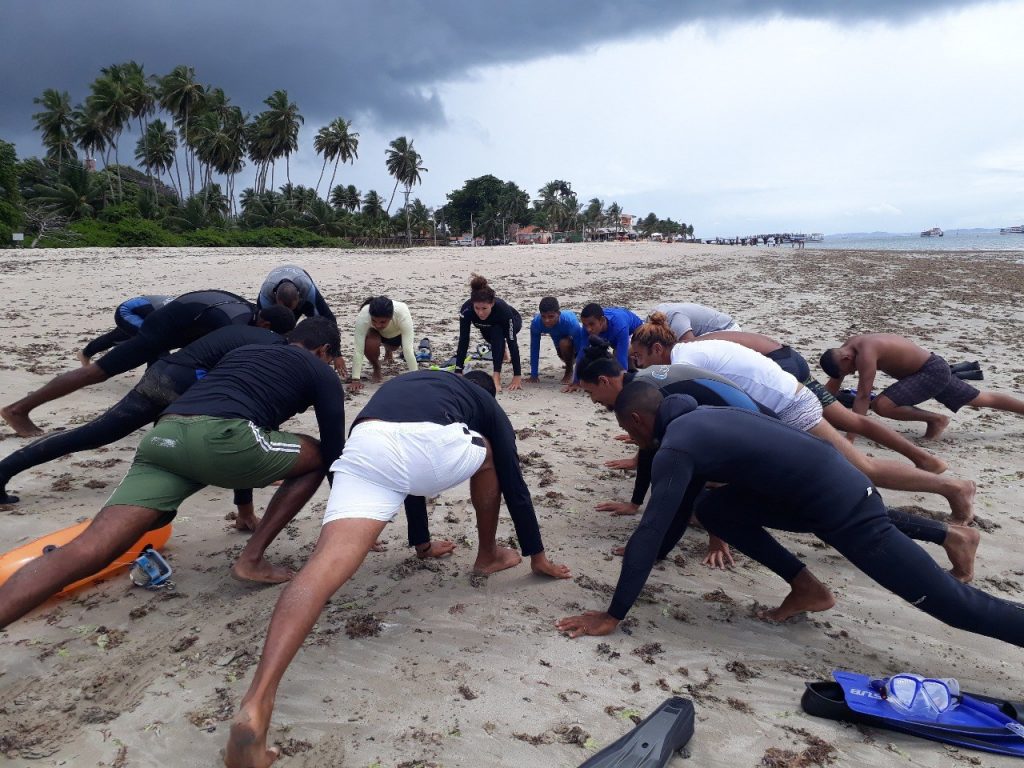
(346,143)
(280,127)
(56,123)
(91,135)
(181,96)
(558,203)
(372,206)
(140,93)
(155,152)
(403,163)
(76,194)
(112,104)
(322,219)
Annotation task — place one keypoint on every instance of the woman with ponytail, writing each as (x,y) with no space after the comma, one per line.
(498,323)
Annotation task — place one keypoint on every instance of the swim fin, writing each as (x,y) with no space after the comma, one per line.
(971,366)
(653,742)
(969,375)
(973,724)
(424,354)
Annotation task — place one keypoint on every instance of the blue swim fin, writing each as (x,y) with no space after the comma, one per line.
(653,742)
(979,722)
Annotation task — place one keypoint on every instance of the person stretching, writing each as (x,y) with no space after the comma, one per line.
(921,375)
(177,323)
(775,477)
(222,432)
(164,381)
(291,286)
(498,323)
(565,331)
(128,319)
(614,325)
(381,321)
(419,435)
(840,417)
(604,380)
(766,383)
(689,321)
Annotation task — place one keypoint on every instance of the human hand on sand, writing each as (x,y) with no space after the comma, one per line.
(622,463)
(355,385)
(718,555)
(625,439)
(516,383)
(570,387)
(590,623)
(618,508)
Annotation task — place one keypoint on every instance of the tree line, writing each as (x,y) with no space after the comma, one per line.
(191,143)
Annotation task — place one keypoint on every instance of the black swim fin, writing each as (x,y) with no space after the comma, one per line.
(969,375)
(653,742)
(971,366)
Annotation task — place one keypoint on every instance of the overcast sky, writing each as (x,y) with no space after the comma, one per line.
(739,117)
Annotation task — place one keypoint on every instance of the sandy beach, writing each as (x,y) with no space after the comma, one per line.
(416,664)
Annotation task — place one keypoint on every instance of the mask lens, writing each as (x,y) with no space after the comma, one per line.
(904,690)
(937,693)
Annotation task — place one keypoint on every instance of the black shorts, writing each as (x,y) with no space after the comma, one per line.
(391,341)
(932,381)
(791,362)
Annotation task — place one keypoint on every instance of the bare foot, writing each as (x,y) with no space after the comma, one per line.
(807,595)
(19,422)
(567,379)
(618,551)
(933,464)
(961,546)
(379,546)
(262,571)
(936,427)
(82,358)
(542,566)
(246,523)
(436,549)
(247,743)
(961,502)
(376,377)
(501,559)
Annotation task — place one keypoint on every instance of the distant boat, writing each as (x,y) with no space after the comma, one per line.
(815,237)
(1012,230)
(933,232)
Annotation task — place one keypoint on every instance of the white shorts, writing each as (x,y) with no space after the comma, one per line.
(384,461)
(733,326)
(803,411)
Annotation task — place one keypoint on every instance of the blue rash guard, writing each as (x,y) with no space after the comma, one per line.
(568,325)
(621,324)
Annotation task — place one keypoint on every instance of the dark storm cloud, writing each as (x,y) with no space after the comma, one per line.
(378,59)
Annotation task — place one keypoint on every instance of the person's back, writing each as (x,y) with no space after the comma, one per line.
(758,342)
(759,377)
(705,387)
(204,353)
(697,319)
(895,355)
(435,396)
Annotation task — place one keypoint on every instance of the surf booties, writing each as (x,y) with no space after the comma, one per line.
(930,708)
(653,742)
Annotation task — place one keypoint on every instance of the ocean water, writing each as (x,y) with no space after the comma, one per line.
(953,240)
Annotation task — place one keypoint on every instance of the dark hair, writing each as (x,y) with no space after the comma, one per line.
(480,290)
(281,318)
(655,331)
(314,332)
(286,292)
(592,310)
(597,360)
(380,306)
(548,304)
(483,380)
(829,364)
(638,397)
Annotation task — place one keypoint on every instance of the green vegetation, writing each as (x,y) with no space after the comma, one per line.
(190,143)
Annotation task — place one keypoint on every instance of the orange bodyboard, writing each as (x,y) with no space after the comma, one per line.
(14,560)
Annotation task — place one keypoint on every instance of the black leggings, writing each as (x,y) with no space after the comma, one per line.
(867,538)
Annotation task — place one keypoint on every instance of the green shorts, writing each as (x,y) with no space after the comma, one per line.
(183,454)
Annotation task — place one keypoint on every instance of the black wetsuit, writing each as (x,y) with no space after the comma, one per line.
(160,386)
(267,385)
(443,398)
(499,330)
(128,318)
(705,387)
(176,324)
(782,478)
